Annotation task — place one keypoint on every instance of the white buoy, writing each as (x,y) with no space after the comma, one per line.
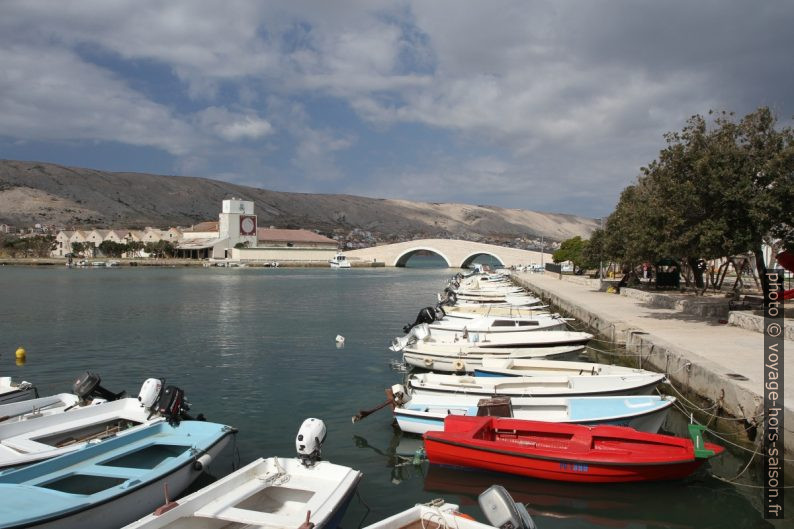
(340,340)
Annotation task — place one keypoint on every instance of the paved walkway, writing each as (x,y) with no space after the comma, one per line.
(714,348)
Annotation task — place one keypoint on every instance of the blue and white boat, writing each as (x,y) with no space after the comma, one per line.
(423,413)
(270,493)
(111,483)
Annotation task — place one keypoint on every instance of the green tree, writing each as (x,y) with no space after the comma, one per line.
(717,189)
(574,250)
(160,249)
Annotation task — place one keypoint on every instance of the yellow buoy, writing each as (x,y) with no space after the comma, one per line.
(20,360)
(21,353)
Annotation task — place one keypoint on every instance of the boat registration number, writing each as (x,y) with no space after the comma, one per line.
(573,467)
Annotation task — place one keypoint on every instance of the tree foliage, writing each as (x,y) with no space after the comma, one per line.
(719,188)
(575,250)
(35,246)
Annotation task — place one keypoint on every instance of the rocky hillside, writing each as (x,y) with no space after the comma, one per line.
(33,192)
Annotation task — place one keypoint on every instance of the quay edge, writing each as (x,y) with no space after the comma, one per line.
(699,371)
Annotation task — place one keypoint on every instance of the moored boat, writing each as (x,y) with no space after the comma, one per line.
(424,412)
(535,386)
(268,493)
(11,391)
(566,452)
(109,484)
(527,367)
(457,358)
(339,261)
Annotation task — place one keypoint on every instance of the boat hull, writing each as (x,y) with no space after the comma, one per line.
(470,359)
(546,457)
(422,419)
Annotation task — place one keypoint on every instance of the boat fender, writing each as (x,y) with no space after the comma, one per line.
(428,362)
(202,462)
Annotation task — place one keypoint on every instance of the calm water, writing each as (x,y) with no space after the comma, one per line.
(254,348)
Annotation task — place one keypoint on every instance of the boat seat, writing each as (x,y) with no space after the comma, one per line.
(25,445)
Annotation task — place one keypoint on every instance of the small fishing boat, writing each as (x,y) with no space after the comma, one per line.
(268,493)
(566,452)
(49,435)
(457,358)
(496,503)
(527,367)
(339,261)
(535,386)
(422,413)
(459,311)
(33,408)
(11,391)
(109,484)
(423,334)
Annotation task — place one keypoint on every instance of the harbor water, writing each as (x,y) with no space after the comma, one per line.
(255,348)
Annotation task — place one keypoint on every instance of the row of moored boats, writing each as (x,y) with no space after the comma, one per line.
(493,384)
(95,458)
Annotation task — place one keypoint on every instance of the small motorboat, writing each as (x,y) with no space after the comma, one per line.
(566,452)
(426,335)
(111,483)
(268,493)
(339,261)
(496,503)
(11,391)
(33,408)
(48,435)
(536,386)
(459,358)
(420,413)
(527,367)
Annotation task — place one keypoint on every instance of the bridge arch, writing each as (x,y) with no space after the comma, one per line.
(471,257)
(403,258)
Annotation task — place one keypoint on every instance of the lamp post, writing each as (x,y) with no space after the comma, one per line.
(600,257)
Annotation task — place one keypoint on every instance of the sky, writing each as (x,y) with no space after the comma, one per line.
(544,105)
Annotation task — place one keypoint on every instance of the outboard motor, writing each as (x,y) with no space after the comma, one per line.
(502,511)
(309,442)
(172,405)
(87,387)
(426,315)
(150,392)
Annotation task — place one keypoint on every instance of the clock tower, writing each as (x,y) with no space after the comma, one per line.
(237,222)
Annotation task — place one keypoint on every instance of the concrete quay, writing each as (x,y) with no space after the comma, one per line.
(718,363)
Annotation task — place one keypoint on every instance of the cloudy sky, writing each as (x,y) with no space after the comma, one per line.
(551,106)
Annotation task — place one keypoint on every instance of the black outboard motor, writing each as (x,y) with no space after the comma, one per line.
(172,405)
(426,315)
(87,387)
(450,298)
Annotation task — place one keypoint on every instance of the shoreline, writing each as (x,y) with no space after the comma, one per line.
(171,263)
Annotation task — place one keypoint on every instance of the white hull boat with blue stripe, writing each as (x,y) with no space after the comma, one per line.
(422,413)
(535,386)
(109,484)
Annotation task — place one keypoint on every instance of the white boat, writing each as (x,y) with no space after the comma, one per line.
(33,408)
(449,329)
(422,413)
(425,337)
(339,261)
(26,441)
(454,358)
(271,493)
(11,391)
(499,367)
(109,484)
(535,386)
(496,504)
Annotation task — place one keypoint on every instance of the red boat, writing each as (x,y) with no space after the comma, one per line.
(566,452)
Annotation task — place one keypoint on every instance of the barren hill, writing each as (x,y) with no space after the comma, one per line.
(32,192)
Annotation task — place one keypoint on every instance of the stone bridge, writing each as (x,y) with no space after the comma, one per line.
(457,254)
